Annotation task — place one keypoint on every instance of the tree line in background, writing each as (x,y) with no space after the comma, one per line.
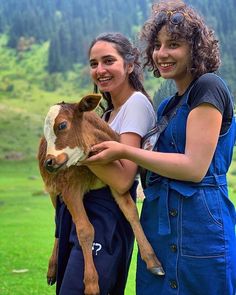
(70,25)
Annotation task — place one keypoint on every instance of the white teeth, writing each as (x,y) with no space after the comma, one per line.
(166,65)
(104,79)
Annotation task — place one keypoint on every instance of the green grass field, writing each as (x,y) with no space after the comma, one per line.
(27,230)
(26,218)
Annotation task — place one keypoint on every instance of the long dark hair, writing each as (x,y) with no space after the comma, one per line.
(130,54)
(205,56)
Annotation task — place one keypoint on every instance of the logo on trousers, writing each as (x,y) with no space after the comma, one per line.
(96,247)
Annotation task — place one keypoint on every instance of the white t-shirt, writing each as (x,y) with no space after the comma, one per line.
(136,115)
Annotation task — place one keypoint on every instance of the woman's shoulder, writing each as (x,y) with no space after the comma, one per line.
(138,99)
(139,96)
(209,87)
(209,80)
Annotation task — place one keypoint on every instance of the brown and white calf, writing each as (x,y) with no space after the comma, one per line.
(69,132)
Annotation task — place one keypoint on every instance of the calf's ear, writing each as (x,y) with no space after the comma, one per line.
(89,102)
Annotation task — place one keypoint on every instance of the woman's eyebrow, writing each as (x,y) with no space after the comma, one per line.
(108,56)
(103,57)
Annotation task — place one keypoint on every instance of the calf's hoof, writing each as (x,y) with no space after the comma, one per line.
(51,281)
(158,271)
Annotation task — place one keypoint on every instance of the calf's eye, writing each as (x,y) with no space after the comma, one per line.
(62,126)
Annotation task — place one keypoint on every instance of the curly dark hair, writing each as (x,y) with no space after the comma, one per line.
(130,54)
(205,56)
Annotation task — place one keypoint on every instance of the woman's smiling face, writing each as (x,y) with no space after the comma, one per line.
(172,58)
(107,67)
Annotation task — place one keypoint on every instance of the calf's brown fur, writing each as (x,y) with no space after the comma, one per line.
(77,126)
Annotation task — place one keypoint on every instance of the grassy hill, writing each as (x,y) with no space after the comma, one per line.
(26,92)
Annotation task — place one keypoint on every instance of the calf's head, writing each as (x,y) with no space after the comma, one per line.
(65,133)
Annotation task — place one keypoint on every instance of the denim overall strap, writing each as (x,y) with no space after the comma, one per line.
(160,191)
(162,124)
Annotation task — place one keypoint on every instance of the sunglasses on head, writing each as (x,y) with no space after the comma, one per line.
(175,17)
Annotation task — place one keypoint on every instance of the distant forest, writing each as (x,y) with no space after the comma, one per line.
(70,25)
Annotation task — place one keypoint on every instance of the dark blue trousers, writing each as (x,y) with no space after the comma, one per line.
(112,248)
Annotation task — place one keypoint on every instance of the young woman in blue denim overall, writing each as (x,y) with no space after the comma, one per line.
(186,215)
(190,225)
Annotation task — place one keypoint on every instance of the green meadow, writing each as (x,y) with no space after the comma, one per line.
(27,230)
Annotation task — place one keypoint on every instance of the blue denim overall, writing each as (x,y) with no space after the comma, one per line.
(191,226)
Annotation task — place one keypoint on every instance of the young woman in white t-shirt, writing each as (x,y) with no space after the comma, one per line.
(116,72)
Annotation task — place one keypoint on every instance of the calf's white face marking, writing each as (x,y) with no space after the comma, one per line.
(74,155)
(48,128)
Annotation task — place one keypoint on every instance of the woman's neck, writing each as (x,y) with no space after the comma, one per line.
(182,86)
(119,98)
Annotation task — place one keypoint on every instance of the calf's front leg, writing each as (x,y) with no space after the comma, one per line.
(85,234)
(129,209)
(52,264)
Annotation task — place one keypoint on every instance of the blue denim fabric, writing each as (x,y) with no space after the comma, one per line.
(190,226)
